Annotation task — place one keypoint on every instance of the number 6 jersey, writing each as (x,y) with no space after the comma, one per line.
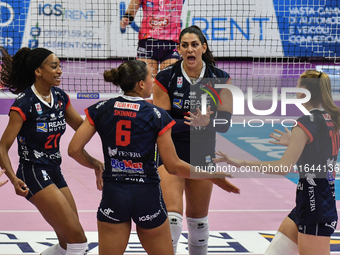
(129,128)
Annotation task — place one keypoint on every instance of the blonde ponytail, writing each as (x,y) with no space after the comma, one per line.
(319,85)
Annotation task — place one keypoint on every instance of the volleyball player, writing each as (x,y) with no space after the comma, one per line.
(178,91)
(314,147)
(37,119)
(159,31)
(129,128)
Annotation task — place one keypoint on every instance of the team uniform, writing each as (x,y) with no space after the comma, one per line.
(197,145)
(315,212)
(129,128)
(38,140)
(160,29)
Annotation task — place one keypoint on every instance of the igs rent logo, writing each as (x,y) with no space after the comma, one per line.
(239,102)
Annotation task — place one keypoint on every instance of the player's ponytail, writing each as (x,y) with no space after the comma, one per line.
(18,73)
(319,85)
(207,56)
(127,74)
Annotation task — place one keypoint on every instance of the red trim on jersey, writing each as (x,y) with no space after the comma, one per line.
(306,131)
(167,127)
(68,103)
(17,109)
(89,117)
(161,86)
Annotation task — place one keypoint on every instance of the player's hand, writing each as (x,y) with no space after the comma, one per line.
(124,22)
(20,187)
(99,175)
(225,158)
(199,119)
(4,182)
(224,184)
(282,138)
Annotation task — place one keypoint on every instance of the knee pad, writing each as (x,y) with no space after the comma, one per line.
(198,229)
(282,245)
(175,220)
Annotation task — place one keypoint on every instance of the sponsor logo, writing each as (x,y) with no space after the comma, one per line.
(179,82)
(192,95)
(311,198)
(159,22)
(88,95)
(57,125)
(331,225)
(208,86)
(45,175)
(157,113)
(59,104)
(177,94)
(114,152)
(53,117)
(150,217)
(127,165)
(42,127)
(58,11)
(21,139)
(310,179)
(107,212)
(38,108)
(134,179)
(100,104)
(177,103)
(124,105)
(149,4)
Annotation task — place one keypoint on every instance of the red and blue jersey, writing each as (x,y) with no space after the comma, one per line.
(129,128)
(187,96)
(44,124)
(315,196)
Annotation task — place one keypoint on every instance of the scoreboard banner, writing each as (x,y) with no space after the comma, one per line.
(90,28)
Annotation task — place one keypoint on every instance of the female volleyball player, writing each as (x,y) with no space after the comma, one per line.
(179,92)
(129,128)
(38,119)
(314,147)
(159,31)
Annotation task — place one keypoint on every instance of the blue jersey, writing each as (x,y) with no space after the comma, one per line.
(129,128)
(187,96)
(44,124)
(315,197)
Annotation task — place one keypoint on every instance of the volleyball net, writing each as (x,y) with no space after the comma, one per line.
(261,44)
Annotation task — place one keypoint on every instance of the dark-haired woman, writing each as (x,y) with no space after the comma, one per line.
(179,92)
(38,119)
(314,147)
(130,128)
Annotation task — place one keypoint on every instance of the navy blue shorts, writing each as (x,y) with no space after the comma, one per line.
(143,202)
(159,50)
(318,229)
(38,177)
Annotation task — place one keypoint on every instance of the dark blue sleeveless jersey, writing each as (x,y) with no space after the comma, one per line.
(315,197)
(44,124)
(129,128)
(185,97)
